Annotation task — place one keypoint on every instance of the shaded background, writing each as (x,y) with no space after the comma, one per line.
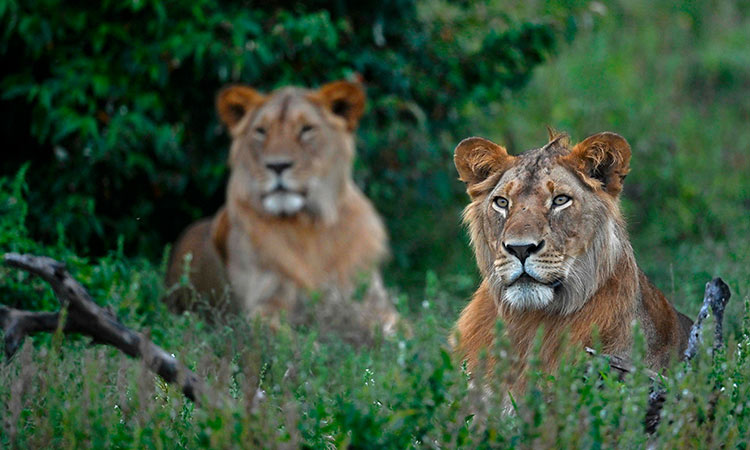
(109,107)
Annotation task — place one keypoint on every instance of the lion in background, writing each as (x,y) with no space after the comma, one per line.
(552,247)
(294,222)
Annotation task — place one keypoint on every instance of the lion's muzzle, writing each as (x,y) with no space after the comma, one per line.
(283,203)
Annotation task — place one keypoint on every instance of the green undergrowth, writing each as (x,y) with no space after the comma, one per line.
(294,389)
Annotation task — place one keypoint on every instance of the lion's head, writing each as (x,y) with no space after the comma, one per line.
(546,225)
(292,150)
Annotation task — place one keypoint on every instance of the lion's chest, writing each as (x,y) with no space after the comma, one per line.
(274,263)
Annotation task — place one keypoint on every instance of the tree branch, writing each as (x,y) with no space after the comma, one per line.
(85,317)
(18,324)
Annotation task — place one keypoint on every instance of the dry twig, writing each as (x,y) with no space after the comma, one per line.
(85,317)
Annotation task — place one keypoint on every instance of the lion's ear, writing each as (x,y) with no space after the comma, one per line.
(233,102)
(477,158)
(602,161)
(344,99)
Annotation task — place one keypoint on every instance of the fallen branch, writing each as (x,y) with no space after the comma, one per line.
(715,298)
(87,318)
(18,324)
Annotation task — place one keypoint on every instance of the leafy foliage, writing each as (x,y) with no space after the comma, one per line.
(112,103)
(399,393)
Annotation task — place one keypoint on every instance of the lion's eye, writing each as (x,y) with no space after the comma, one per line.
(500,203)
(560,200)
(259,133)
(305,131)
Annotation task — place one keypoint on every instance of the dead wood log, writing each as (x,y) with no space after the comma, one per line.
(715,298)
(84,316)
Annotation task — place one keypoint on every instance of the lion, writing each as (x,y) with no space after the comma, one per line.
(553,252)
(294,222)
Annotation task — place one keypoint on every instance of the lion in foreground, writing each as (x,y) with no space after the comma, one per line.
(296,236)
(553,252)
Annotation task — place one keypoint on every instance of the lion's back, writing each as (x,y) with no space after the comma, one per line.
(206,274)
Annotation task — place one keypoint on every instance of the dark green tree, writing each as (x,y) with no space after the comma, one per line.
(112,105)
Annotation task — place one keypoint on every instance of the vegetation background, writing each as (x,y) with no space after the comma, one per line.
(112,146)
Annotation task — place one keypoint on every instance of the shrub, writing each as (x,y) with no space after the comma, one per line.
(112,105)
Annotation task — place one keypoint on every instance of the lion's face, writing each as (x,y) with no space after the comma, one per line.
(292,150)
(545,225)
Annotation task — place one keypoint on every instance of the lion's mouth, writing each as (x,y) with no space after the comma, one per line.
(525,278)
(283,202)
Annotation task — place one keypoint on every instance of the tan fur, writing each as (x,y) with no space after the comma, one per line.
(206,271)
(294,222)
(567,269)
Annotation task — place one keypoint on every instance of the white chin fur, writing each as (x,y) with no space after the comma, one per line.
(283,203)
(527,295)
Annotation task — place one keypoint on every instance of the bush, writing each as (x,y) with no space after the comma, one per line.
(112,105)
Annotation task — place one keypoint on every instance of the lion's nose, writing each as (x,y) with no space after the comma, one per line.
(523,250)
(279,166)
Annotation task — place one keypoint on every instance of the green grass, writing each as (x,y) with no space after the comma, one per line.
(673,80)
(397,393)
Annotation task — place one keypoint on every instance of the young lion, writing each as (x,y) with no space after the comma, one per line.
(294,222)
(551,245)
